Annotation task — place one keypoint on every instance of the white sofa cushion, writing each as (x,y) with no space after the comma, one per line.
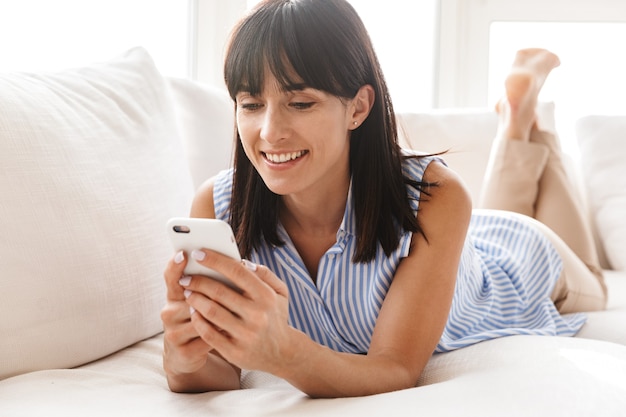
(466,134)
(603,155)
(91,168)
(538,376)
(206,116)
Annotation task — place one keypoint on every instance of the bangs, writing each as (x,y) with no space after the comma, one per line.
(293,41)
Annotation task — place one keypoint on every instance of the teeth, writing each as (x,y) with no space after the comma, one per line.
(283,157)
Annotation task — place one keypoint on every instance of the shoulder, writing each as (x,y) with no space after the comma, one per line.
(212,198)
(203,205)
(414,164)
(439,181)
(448,196)
(442,201)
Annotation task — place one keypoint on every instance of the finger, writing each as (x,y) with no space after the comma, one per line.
(175,313)
(270,279)
(185,358)
(214,313)
(192,349)
(173,272)
(212,336)
(216,292)
(181,334)
(243,277)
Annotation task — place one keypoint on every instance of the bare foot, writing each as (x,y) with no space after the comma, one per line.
(523,84)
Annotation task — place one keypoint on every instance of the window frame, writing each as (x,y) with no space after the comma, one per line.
(464,38)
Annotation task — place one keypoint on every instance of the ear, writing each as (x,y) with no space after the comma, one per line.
(361,105)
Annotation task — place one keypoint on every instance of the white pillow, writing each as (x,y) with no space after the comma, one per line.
(206,115)
(466,133)
(91,167)
(603,163)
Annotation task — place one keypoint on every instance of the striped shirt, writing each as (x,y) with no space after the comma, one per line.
(506,274)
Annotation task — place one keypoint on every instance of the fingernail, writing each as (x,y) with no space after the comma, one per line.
(187,293)
(250,265)
(179,257)
(198,255)
(184,281)
(191,310)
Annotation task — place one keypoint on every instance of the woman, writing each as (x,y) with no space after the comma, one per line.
(363,260)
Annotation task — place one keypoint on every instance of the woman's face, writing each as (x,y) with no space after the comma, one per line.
(298,140)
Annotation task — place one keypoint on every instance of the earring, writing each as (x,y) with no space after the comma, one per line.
(356,123)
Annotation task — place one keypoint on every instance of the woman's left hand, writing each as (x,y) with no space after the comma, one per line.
(249,328)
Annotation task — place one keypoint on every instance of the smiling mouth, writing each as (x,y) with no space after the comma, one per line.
(281,158)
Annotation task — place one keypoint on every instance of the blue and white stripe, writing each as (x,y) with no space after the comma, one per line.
(506,274)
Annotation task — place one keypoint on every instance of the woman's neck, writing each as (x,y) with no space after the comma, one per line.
(312,223)
(315,214)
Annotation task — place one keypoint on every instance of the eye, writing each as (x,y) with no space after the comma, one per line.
(302,105)
(250,106)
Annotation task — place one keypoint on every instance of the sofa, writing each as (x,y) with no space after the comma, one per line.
(95,160)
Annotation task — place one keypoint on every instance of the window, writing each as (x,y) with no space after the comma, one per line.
(479,37)
(403,33)
(591,76)
(435,53)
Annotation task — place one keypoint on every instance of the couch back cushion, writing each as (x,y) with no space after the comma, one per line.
(466,136)
(602,141)
(91,168)
(206,116)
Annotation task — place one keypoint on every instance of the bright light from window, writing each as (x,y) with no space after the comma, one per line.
(591,76)
(51,35)
(403,34)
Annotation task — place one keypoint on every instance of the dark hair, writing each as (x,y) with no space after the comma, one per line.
(326,46)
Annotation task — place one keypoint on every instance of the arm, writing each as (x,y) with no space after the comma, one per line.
(409,326)
(415,309)
(191,365)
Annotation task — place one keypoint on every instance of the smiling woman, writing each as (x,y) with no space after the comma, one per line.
(52,35)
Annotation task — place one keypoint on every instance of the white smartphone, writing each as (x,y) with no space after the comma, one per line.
(188,234)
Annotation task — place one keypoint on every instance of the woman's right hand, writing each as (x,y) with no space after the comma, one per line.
(189,362)
(184,351)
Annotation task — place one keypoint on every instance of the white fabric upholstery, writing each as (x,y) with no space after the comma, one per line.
(514,376)
(602,141)
(465,135)
(206,117)
(91,168)
(609,325)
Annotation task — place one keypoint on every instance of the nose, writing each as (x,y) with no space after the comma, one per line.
(274,127)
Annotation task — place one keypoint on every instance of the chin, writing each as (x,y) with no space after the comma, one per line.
(281,190)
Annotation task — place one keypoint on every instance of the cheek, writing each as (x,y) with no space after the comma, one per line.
(245,132)
(247,148)
(248,145)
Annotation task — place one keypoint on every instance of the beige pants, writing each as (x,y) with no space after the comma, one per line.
(529,178)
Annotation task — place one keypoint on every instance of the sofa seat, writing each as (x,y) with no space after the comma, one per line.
(512,376)
(610,324)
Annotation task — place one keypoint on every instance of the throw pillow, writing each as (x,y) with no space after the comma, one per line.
(91,168)
(603,152)
(465,133)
